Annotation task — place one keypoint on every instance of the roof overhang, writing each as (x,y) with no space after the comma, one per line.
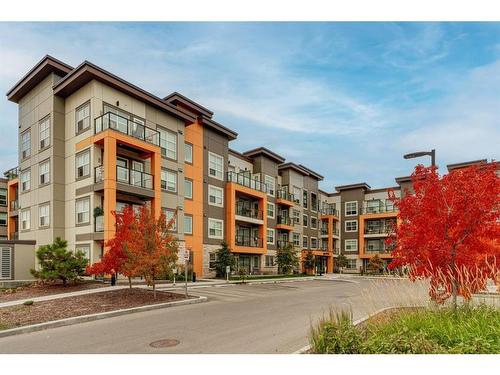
(312,173)
(403,179)
(178,99)
(264,152)
(36,75)
(294,167)
(231,135)
(239,155)
(361,185)
(87,72)
(465,164)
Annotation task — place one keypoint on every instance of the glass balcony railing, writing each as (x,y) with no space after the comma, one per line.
(247,181)
(281,244)
(126,126)
(377,208)
(283,220)
(377,247)
(378,230)
(329,211)
(12,173)
(127,176)
(247,210)
(249,241)
(283,194)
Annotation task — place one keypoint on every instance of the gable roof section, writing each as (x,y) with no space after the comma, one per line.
(87,71)
(266,152)
(42,69)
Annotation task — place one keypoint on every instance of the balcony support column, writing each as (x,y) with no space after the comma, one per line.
(156,172)
(109,163)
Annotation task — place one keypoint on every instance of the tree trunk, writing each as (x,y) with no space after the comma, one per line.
(130,282)
(154,289)
(64,282)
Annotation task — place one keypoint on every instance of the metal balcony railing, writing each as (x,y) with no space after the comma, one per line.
(284,220)
(246,210)
(378,230)
(370,208)
(377,247)
(127,176)
(283,194)
(281,244)
(329,211)
(12,173)
(247,181)
(126,126)
(324,231)
(248,241)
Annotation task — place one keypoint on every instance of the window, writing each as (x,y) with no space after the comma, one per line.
(169,180)
(296,194)
(82,118)
(314,201)
(351,264)
(305,242)
(26,219)
(169,215)
(82,164)
(168,143)
(215,166)
(25,145)
(351,208)
(82,211)
(44,213)
(43,169)
(351,245)
(304,199)
(3,197)
(44,128)
(188,153)
(215,228)
(188,188)
(5,262)
(215,196)
(270,210)
(269,261)
(314,223)
(305,220)
(85,249)
(296,239)
(296,217)
(389,205)
(26,180)
(188,224)
(314,243)
(270,236)
(351,226)
(212,260)
(3,219)
(270,183)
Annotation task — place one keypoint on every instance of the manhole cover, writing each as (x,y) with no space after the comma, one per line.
(165,343)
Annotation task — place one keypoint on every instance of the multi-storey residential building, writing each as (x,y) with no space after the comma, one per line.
(91,143)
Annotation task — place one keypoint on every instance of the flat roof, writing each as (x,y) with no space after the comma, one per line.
(466,164)
(359,185)
(37,74)
(403,179)
(266,152)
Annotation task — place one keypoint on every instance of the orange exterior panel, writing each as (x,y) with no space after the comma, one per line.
(12,187)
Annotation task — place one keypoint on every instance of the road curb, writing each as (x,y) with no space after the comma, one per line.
(334,279)
(307,348)
(98,316)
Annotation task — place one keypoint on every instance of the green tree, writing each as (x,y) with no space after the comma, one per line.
(309,261)
(376,264)
(287,259)
(58,263)
(341,261)
(224,258)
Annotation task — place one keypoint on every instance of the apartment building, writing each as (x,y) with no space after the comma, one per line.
(3,209)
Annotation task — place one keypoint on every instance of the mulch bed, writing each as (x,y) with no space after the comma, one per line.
(67,307)
(43,289)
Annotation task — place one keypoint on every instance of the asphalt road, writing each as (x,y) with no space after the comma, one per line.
(259,318)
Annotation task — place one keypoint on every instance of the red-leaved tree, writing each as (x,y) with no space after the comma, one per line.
(449,231)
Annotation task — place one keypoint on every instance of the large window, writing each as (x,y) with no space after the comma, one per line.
(270,236)
(25,144)
(296,239)
(215,196)
(188,188)
(44,213)
(212,260)
(3,219)
(297,194)
(296,217)
(82,164)
(314,243)
(82,118)
(26,219)
(351,264)
(82,210)
(305,242)
(305,220)
(3,197)
(85,249)
(170,214)
(270,182)
(215,228)
(26,180)
(269,261)
(351,226)
(304,199)
(168,143)
(216,166)
(44,135)
(351,208)
(270,210)
(351,245)
(44,170)
(314,223)
(188,153)
(169,180)
(314,201)
(188,224)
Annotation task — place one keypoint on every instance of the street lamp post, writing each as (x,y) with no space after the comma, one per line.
(431,153)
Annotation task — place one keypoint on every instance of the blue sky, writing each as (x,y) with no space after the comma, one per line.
(345,99)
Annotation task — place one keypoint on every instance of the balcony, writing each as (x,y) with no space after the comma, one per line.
(377,247)
(283,220)
(246,210)
(329,211)
(384,230)
(248,241)
(369,207)
(336,232)
(126,126)
(324,231)
(247,181)
(12,173)
(14,205)
(281,244)
(285,198)
(127,176)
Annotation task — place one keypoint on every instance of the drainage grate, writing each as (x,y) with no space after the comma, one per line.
(165,343)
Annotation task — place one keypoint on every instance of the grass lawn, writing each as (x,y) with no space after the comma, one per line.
(470,330)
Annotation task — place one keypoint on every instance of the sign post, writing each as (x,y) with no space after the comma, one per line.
(174,271)
(186,262)
(228,269)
